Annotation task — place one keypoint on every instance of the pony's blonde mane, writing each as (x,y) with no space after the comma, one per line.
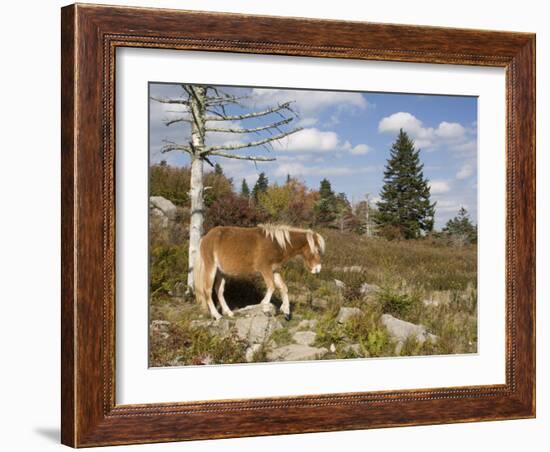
(280,233)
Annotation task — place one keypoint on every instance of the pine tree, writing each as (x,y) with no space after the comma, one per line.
(245,191)
(260,186)
(405,197)
(325,208)
(460,228)
(218,169)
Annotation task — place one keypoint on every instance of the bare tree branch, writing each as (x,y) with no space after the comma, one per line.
(285,106)
(169,122)
(233,147)
(170,146)
(164,100)
(252,130)
(242,157)
(212,101)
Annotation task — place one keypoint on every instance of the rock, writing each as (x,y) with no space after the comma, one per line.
(251,351)
(340,284)
(304,337)
(355,348)
(201,323)
(296,352)
(319,303)
(349,269)
(429,302)
(307,324)
(256,309)
(222,327)
(367,289)
(160,328)
(256,326)
(164,206)
(157,325)
(346,314)
(401,330)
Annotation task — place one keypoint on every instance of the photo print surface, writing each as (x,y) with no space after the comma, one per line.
(291,225)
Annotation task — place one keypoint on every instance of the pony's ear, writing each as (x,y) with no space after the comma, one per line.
(320,242)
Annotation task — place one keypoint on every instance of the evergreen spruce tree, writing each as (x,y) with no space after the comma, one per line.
(405,197)
(460,228)
(245,191)
(261,186)
(325,208)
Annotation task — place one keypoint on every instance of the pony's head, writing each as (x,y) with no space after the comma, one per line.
(312,251)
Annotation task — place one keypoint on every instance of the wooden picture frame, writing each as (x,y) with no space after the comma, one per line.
(90,36)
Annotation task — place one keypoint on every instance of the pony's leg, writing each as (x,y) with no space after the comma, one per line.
(283,290)
(210,277)
(266,301)
(219,286)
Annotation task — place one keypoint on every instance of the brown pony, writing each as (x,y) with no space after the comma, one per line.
(236,251)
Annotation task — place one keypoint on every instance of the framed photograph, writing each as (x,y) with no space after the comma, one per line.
(281,225)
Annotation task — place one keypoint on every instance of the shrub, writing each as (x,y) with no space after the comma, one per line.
(233,210)
(168,265)
(399,305)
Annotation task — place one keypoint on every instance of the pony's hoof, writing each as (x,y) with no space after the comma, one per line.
(288,316)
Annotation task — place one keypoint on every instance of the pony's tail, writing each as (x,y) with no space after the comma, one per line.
(199,278)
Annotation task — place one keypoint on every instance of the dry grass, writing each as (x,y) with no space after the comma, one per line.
(421,281)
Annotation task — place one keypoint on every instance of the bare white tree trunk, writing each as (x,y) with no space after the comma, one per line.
(197,107)
(197,213)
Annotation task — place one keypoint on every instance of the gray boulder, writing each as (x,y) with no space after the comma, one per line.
(222,327)
(255,327)
(355,348)
(296,352)
(160,328)
(340,284)
(307,324)
(304,337)
(345,314)
(401,330)
(162,209)
(251,351)
(367,289)
(349,269)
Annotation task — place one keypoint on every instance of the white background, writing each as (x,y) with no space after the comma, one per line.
(30,226)
(138,384)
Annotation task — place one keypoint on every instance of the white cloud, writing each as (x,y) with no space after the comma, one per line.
(299,169)
(467,147)
(311,140)
(439,186)
(446,133)
(450,130)
(360,149)
(307,102)
(307,122)
(400,120)
(465,172)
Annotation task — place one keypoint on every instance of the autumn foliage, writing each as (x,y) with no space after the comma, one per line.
(290,203)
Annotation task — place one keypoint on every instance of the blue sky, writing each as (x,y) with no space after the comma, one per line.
(346,138)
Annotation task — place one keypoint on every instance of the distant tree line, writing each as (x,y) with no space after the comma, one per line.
(404,211)
(291,202)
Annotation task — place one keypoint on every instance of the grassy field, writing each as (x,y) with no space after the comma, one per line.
(425,282)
